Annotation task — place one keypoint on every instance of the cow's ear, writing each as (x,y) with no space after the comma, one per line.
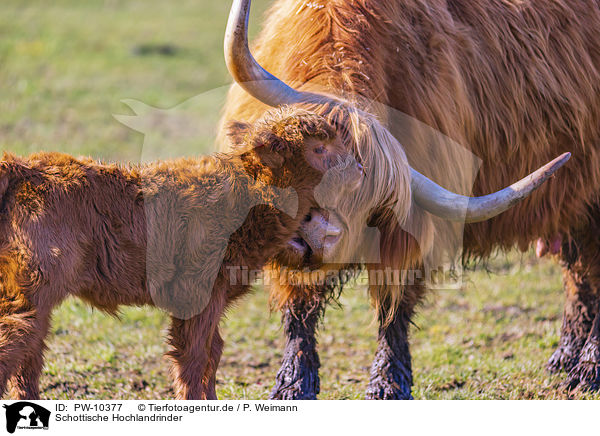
(238,132)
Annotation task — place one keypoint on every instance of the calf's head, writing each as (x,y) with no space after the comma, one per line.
(292,147)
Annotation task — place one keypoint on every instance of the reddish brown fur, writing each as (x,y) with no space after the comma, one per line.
(517,82)
(76,227)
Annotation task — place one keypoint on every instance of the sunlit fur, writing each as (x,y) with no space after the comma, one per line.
(516,82)
(383,200)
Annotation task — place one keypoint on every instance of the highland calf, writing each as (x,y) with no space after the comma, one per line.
(166,234)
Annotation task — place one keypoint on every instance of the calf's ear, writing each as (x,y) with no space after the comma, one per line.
(268,156)
(262,156)
(238,133)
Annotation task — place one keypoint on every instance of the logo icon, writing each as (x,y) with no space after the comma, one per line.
(26,415)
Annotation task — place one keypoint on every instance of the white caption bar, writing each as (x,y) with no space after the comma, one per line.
(41,418)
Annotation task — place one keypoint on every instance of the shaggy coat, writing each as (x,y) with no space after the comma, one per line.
(115,235)
(514,82)
(496,77)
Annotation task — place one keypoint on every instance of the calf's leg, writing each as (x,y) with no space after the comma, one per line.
(196,351)
(25,383)
(216,350)
(189,356)
(22,332)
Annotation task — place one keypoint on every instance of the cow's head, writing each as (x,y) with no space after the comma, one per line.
(391,190)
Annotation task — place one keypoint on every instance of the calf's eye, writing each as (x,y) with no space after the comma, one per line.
(320,149)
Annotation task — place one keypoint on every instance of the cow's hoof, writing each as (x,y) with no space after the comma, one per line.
(389,381)
(296,380)
(291,393)
(585,375)
(564,358)
(387,391)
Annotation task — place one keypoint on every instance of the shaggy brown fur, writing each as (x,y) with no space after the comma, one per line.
(517,82)
(115,235)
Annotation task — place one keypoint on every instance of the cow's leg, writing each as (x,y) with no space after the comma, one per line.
(397,288)
(580,303)
(578,315)
(25,383)
(391,372)
(298,377)
(585,375)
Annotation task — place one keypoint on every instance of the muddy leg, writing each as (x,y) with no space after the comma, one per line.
(298,377)
(585,375)
(578,315)
(391,372)
(580,307)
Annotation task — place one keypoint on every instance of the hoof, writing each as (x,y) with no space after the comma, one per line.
(297,379)
(390,381)
(584,378)
(387,392)
(564,359)
(292,393)
(585,375)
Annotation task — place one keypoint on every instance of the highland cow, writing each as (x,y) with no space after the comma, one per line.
(167,234)
(514,82)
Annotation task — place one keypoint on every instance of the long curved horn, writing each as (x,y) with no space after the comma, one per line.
(257,81)
(272,91)
(454,207)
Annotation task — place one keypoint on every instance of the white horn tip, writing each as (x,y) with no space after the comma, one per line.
(563,158)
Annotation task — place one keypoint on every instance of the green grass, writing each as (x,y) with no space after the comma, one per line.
(66,65)
(488,340)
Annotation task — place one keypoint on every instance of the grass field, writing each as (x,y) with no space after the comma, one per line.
(65,66)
